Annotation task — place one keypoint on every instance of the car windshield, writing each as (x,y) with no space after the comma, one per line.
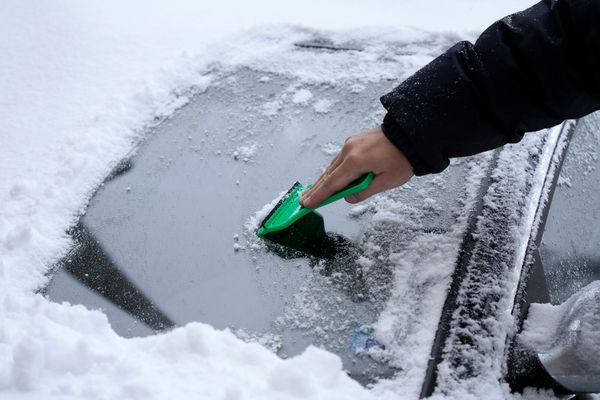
(170,238)
(569,249)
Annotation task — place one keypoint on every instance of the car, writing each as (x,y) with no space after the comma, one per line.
(427,284)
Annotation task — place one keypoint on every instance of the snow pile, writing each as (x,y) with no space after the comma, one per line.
(86,359)
(572,328)
(80,84)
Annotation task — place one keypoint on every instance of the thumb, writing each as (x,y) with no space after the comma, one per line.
(379,184)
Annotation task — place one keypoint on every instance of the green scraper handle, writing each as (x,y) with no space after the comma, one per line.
(357,185)
(289,209)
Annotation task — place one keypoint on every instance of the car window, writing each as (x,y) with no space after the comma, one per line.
(570,246)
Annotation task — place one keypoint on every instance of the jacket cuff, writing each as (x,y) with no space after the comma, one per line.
(395,134)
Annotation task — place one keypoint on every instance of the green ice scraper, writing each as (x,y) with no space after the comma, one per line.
(292,225)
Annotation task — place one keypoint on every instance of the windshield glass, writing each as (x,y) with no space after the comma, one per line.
(170,237)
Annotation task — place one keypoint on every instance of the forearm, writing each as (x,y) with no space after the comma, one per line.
(529,71)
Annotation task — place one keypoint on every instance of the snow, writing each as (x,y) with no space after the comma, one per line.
(245,152)
(566,338)
(323,106)
(483,320)
(89,361)
(302,96)
(80,83)
(331,149)
(271,108)
(541,324)
(569,327)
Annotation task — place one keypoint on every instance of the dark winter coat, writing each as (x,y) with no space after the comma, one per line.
(528,71)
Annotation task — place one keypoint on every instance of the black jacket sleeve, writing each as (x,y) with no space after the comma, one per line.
(528,71)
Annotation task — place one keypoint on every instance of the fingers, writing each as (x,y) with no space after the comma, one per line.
(334,164)
(369,151)
(380,183)
(339,178)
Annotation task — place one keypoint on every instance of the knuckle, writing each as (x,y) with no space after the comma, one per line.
(350,142)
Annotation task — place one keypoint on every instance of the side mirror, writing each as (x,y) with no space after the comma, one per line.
(567,339)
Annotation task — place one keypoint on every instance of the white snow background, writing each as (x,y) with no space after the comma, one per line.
(79,83)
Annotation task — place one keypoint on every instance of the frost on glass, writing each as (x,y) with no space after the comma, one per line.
(570,250)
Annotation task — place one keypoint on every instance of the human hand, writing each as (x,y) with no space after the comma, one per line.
(365,152)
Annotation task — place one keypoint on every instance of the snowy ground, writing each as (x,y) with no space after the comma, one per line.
(79,82)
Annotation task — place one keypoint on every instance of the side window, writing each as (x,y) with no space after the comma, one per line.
(570,247)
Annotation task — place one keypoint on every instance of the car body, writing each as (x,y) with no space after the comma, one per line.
(432,283)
